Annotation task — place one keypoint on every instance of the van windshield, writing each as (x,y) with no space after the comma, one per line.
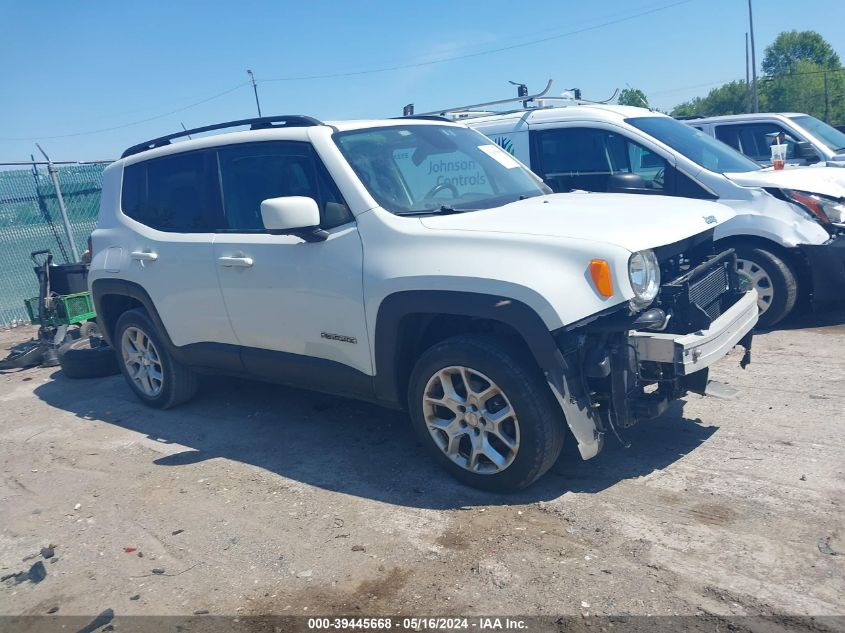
(827,134)
(416,169)
(699,147)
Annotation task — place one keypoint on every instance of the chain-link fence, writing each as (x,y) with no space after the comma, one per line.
(30,220)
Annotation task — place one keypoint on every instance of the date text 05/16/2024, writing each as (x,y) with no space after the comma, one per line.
(417,624)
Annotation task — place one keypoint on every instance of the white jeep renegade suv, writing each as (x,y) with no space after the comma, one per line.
(415,264)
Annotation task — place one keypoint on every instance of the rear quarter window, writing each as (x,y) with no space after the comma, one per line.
(178,193)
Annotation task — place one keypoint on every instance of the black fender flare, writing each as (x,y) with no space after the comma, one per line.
(101,288)
(395,307)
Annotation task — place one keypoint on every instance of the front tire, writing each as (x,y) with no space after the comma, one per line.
(482,408)
(774,280)
(157,378)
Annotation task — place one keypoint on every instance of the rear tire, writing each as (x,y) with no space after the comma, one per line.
(157,378)
(775,281)
(503,431)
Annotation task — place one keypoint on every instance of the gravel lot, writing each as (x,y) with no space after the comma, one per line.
(258,499)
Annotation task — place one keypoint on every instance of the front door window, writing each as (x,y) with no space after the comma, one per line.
(585,158)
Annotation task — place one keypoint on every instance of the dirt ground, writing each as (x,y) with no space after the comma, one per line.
(256,499)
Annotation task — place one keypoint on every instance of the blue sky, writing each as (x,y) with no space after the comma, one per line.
(75,68)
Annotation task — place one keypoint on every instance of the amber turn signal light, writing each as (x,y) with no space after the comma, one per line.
(600,272)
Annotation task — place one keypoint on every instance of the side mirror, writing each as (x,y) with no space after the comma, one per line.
(627,183)
(293,215)
(805,150)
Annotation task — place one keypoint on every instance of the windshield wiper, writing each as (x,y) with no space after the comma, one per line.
(444,209)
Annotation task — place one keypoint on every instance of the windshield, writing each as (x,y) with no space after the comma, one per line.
(412,169)
(699,147)
(827,134)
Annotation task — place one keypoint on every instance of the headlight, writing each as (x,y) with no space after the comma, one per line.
(825,210)
(644,273)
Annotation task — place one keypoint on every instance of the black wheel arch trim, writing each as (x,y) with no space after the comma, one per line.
(397,306)
(101,288)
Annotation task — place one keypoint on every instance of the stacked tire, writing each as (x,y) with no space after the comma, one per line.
(88,356)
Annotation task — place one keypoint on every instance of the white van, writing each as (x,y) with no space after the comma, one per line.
(809,141)
(789,229)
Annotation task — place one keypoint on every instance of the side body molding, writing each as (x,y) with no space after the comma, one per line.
(295,370)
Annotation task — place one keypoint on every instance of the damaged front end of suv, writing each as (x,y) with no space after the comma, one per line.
(630,362)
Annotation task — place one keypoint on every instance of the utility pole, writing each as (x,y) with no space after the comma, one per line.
(747,78)
(51,169)
(826,100)
(255,90)
(755,97)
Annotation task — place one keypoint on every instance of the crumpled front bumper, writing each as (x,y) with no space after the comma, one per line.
(689,353)
(827,269)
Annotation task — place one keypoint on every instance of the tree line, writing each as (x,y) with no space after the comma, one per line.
(800,73)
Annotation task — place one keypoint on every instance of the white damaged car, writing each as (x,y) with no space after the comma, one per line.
(789,227)
(415,264)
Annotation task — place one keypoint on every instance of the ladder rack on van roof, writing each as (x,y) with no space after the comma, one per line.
(258,123)
(522,96)
(472,111)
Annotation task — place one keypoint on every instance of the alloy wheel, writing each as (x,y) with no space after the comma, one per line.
(471,420)
(142,361)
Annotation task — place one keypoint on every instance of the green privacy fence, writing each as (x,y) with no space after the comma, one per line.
(30,220)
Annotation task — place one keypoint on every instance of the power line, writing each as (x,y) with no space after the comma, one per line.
(125,125)
(726,81)
(705,85)
(384,69)
(490,51)
(809,72)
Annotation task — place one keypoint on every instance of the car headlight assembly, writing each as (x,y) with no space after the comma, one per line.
(825,210)
(644,273)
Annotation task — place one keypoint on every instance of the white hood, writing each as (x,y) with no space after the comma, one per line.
(827,181)
(634,222)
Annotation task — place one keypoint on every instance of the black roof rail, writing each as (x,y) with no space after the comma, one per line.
(258,123)
(688,117)
(425,117)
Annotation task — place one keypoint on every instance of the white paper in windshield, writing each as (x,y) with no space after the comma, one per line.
(499,155)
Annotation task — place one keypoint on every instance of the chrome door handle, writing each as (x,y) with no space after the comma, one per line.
(235,262)
(144,256)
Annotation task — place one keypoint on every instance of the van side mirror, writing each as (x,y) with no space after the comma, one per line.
(627,183)
(293,215)
(805,150)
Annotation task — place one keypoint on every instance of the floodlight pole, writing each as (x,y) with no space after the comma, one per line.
(754,95)
(255,90)
(747,77)
(51,169)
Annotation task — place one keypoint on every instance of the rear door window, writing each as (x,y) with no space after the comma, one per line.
(177,194)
